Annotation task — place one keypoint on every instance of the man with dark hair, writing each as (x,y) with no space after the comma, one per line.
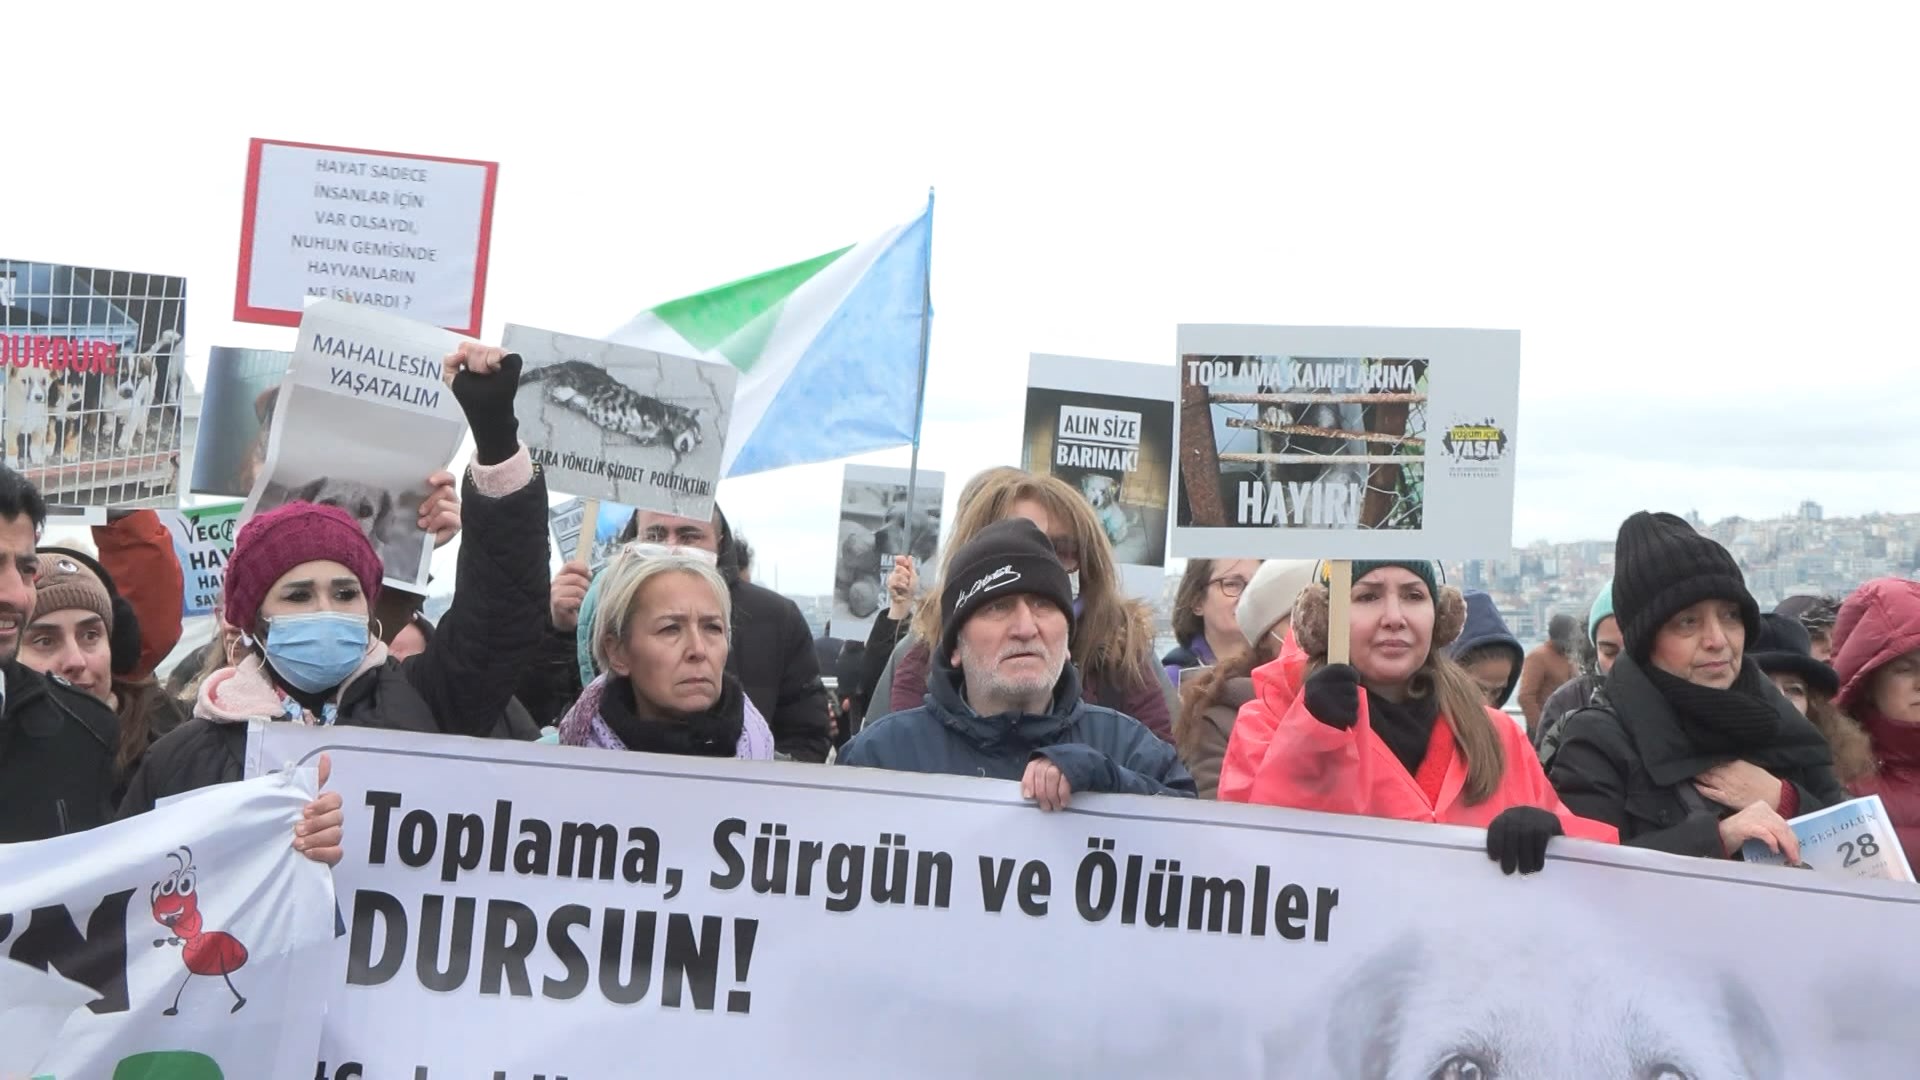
(57,744)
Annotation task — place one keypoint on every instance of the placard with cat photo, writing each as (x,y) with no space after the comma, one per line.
(1105,427)
(875,526)
(363,418)
(623,424)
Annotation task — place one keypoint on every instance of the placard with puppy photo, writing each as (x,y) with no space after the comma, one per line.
(1105,428)
(92,361)
(875,526)
(623,424)
(236,419)
(363,419)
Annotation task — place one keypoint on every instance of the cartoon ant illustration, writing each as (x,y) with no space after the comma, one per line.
(206,952)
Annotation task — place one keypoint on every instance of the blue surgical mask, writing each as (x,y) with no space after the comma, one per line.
(316,652)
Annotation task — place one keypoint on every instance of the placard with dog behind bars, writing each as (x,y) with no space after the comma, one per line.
(623,424)
(363,419)
(1105,428)
(1345,442)
(92,360)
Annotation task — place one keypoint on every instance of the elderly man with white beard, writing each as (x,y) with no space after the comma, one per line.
(1003,701)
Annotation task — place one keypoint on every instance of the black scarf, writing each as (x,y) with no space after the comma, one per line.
(1406,727)
(713,733)
(1743,721)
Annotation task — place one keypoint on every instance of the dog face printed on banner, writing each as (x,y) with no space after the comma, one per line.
(29,391)
(1103,494)
(135,389)
(392,533)
(1439,1007)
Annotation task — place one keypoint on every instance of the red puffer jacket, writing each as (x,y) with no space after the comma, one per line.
(1879,623)
(1279,755)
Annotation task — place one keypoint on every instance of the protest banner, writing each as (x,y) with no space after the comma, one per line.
(404,232)
(363,418)
(188,942)
(874,527)
(527,910)
(1345,442)
(623,424)
(202,541)
(1854,839)
(92,361)
(1106,428)
(236,417)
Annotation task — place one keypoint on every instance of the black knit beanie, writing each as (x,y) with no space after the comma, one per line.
(1007,558)
(1663,566)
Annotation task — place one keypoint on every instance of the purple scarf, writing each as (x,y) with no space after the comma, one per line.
(583,726)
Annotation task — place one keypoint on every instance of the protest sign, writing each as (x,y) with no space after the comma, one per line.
(236,417)
(202,541)
(525,909)
(92,361)
(191,941)
(403,232)
(1345,442)
(623,424)
(566,519)
(874,527)
(363,419)
(1106,429)
(1853,839)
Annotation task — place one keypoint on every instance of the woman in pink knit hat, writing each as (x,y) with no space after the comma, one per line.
(302,584)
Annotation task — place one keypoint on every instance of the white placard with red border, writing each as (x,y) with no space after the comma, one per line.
(404,232)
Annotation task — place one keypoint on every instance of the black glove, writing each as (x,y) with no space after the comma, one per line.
(1333,695)
(1517,838)
(488,402)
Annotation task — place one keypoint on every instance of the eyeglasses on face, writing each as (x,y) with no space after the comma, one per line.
(1230,587)
(1067,550)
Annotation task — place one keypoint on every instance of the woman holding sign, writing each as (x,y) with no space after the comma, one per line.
(1876,652)
(302,584)
(1688,747)
(1400,731)
(658,630)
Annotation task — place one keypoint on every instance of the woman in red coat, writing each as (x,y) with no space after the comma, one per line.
(1876,651)
(1401,731)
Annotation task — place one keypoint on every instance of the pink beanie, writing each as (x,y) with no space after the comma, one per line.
(275,542)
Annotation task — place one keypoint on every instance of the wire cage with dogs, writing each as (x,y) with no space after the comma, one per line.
(92,361)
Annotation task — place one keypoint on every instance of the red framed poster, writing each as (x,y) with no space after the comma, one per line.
(405,232)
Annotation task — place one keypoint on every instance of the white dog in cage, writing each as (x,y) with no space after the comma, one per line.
(28,390)
(135,391)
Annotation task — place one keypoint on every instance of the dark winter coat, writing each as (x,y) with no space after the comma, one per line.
(56,757)
(1149,699)
(1562,703)
(773,658)
(1098,750)
(1624,759)
(460,685)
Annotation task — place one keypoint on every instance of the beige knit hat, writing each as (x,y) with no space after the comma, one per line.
(1269,596)
(64,583)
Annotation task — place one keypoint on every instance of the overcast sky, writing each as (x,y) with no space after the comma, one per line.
(1702,217)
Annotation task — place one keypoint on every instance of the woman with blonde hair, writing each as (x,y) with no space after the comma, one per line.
(659,634)
(1400,731)
(1112,645)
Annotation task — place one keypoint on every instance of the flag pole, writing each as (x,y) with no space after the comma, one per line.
(920,391)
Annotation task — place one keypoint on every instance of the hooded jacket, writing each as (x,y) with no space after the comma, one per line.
(137,551)
(1205,730)
(1879,623)
(1625,760)
(460,685)
(56,757)
(1486,629)
(1294,760)
(1545,670)
(1098,749)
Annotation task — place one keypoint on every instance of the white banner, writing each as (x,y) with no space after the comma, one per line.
(530,910)
(190,941)
(1345,442)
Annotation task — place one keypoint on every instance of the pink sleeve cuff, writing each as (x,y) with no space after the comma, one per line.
(1789,799)
(499,481)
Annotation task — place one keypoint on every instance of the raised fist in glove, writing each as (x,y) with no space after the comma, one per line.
(1517,838)
(1333,695)
(484,380)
